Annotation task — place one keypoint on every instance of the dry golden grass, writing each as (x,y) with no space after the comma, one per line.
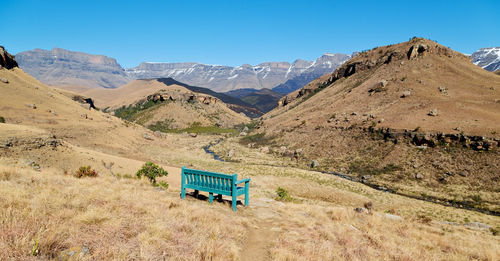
(115,218)
(46,214)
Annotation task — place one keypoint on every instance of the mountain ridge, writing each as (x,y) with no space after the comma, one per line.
(487,58)
(63,67)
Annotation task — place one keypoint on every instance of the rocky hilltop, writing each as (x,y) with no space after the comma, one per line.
(6,59)
(416,117)
(62,67)
(487,58)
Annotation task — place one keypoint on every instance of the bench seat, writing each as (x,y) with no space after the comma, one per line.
(214,183)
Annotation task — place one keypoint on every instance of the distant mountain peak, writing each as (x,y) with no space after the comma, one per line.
(487,58)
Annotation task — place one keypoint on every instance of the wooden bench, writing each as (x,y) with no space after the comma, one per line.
(212,182)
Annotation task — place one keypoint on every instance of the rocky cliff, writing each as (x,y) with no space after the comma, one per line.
(6,59)
(63,67)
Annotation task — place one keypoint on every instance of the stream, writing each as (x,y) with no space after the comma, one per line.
(443,202)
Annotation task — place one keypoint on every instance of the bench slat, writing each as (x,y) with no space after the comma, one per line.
(216,191)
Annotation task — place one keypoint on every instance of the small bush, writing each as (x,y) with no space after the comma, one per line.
(86,171)
(163,184)
(282,194)
(495,231)
(151,171)
(369,206)
(2,119)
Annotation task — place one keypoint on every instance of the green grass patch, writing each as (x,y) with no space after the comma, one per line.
(129,112)
(195,127)
(258,139)
(362,168)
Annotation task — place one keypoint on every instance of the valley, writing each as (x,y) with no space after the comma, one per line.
(409,131)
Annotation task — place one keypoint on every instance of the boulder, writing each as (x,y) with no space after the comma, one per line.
(264,150)
(4,80)
(245,129)
(433,112)
(158,134)
(230,153)
(243,133)
(477,226)
(366,178)
(194,135)
(393,217)
(379,86)
(443,90)
(361,210)
(288,153)
(405,94)
(314,164)
(146,136)
(419,176)
(33,106)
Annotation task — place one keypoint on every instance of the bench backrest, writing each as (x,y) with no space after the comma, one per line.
(208,180)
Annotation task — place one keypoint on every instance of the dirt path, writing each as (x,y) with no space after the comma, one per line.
(264,232)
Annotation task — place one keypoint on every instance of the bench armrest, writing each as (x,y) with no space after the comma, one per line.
(242,181)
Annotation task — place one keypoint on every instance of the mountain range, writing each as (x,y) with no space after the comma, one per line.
(226,78)
(63,67)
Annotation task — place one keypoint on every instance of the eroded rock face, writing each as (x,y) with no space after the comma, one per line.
(175,96)
(417,50)
(86,102)
(6,59)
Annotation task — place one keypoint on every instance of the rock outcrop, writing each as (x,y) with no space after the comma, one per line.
(6,59)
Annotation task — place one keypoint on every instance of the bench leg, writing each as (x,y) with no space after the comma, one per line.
(196,192)
(183,192)
(219,197)
(246,193)
(210,197)
(234,202)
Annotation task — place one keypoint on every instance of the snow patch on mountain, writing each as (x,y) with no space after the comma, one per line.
(487,58)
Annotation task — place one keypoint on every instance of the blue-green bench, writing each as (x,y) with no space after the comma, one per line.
(213,182)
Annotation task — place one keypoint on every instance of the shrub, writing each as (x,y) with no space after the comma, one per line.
(495,231)
(86,171)
(282,194)
(163,184)
(369,206)
(151,171)
(2,119)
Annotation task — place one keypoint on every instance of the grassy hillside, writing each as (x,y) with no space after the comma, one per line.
(414,117)
(48,213)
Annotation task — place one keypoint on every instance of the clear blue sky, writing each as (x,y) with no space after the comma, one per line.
(235,32)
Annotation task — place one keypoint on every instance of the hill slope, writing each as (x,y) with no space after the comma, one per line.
(172,105)
(409,116)
(264,99)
